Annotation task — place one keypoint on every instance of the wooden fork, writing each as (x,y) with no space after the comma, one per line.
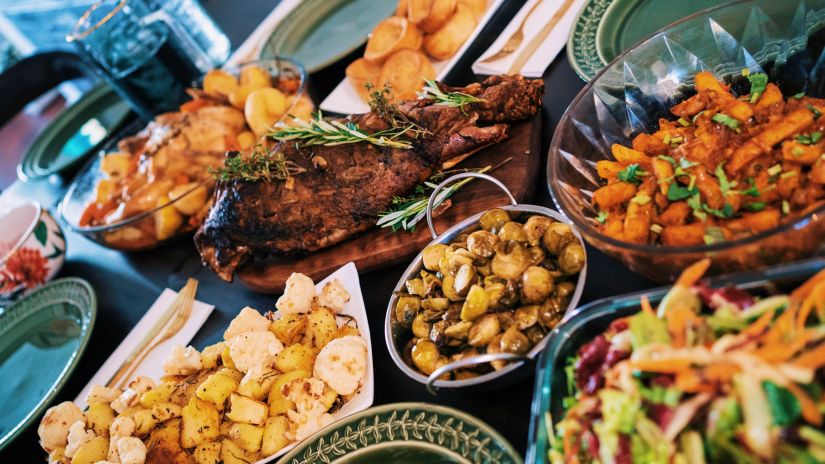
(514,42)
(184,301)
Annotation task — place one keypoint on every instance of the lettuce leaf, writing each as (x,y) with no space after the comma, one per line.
(785,408)
(619,412)
(646,328)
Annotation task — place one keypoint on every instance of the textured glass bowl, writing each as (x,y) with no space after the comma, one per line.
(134,233)
(592,319)
(781,38)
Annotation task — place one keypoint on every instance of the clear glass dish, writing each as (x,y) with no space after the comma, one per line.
(589,320)
(783,39)
(134,233)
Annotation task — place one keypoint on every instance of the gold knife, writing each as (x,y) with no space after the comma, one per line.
(534,44)
(512,44)
(147,339)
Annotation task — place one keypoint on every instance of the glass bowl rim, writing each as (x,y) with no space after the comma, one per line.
(234,69)
(588,230)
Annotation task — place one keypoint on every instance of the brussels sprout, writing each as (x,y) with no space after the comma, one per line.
(536,284)
(482,243)
(510,260)
(493,219)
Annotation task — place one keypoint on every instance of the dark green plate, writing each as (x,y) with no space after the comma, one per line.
(42,337)
(75,133)
(318,33)
(605,28)
(405,433)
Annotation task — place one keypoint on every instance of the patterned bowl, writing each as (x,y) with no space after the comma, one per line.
(784,39)
(32,249)
(412,433)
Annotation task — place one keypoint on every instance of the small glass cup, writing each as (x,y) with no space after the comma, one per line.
(191,19)
(141,53)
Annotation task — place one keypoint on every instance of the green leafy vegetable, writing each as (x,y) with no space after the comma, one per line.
(726,120)
(602,217)
(725,213)
(785,408)
(758,83)
(631,174)
(755,206)
(678,192)
(619,411)
(724,184)
(815,111)
(714,235)
(799,95)
(648,444)
(646,329)
(809,139)
(669,159)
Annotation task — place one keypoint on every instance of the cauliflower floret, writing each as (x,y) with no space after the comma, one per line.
(101,394)
(342,364)
(248,320)
(54,428)
(132,394)
(122,426)
(254,349)
(78,436)
(131,450)
(333,296)
(182,361)
(310,414)
(298,295)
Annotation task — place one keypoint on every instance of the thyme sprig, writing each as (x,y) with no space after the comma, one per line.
(260,165)
(407,211)
(380,102)
(452,99)
(320,131)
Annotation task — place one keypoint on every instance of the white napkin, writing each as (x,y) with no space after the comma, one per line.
(549,48)
(151,366)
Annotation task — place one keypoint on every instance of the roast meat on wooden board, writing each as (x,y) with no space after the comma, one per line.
(343,188)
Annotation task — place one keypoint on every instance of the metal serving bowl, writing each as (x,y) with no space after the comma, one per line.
(519,366)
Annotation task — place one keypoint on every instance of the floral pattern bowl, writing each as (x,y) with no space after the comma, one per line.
(32,249)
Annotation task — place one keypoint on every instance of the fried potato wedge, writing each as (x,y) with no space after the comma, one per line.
(360,72)
(263,108)
(405,72)
(445,42)
(389,36)
(440,12)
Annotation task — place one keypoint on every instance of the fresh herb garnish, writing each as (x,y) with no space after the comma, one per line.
(678,192)
(631,174)
(451,99)
(755,206)
(799,95)
(809,139)
(319,131)
(725,213)
(815,111)
(695,203)
(669,159)
(714,235)
(602,217)
(726,120)
(260,165)
(380,102)
(724,184)
(758,83)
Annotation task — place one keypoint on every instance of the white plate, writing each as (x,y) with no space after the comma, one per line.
(348,276)
(345,100)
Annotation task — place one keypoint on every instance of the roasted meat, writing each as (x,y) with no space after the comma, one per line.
(343,188)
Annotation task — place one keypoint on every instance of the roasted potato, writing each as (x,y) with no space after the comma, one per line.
(445,42)
(274,439)
(219,84)
(440,12)
(199,423)
(263,108)
(391,35)
(405,72)
(297,357)
(362,72)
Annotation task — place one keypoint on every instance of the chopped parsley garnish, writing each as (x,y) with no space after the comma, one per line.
(726,120)
(695,203)
(725,213)
(678,192)
(755,206)
(752,190)
(809,139)
(758,83)
(602,217)
(714,235)
(631,174)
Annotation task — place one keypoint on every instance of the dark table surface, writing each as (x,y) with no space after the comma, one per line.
(127,284)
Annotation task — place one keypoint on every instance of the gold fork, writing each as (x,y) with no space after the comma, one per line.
(514,42)
(183,302)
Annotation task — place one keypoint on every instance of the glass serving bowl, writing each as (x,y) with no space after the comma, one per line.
(587,321)
(136,232)
(783,39)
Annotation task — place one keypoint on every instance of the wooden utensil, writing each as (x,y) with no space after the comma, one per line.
(180,310)
(534,44)
(515,40)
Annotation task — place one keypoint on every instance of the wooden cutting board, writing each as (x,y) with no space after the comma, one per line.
(380,248)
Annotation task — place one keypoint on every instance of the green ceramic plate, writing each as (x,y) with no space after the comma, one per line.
(605,28)
(42,337)
(318,33)
(75,133)
(406,433)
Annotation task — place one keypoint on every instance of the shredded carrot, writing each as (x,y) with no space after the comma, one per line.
(664,366)
(758,326)
(678,320)
(693,273)
(689,381)
(721,372)
(810,412)
(813,358)
(805,289)
(781,329)
(646,307)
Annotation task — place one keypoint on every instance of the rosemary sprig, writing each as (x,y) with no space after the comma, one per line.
(319,131)
(260,165)
(406,212)
(380,102)
(451,99)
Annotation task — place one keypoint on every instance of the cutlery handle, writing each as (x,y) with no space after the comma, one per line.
(534,44)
